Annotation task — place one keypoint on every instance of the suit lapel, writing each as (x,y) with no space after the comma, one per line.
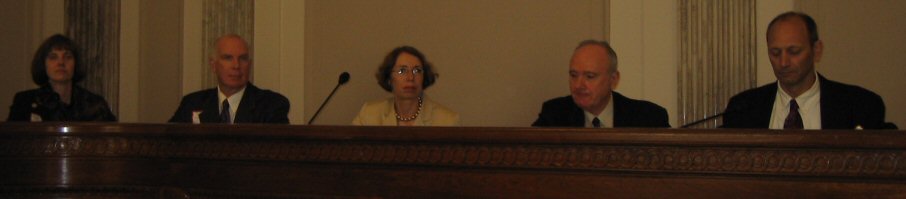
(764,107)
(389,113)
(247,104)
(831,112)
(388,119)
(618,110)
(577,115)
(211,111)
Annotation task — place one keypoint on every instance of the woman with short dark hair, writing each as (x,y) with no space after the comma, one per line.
(406,73)
(56,68)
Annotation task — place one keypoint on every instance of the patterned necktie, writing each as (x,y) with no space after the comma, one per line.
(225,112)
(596,123)
(793,120)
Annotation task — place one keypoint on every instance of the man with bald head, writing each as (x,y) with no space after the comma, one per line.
(802,98)
(235,100)
(592,102)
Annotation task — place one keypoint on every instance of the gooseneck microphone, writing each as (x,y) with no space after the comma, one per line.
(343,79)
(730,110)
(704,120)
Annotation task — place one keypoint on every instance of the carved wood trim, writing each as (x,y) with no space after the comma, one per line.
(282,161)
(863,163)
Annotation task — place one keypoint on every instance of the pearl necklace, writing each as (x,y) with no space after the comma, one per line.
(413,116)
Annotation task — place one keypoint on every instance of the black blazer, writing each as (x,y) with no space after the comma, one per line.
(563,112)
(257,106)
(843,106)
(84,106)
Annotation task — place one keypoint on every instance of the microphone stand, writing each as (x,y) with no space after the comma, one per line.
(343,79)
(703,120)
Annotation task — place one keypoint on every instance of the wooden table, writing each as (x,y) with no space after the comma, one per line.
(93,160)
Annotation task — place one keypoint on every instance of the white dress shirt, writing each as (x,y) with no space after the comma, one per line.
(606,116)
(809,107)
(234,100)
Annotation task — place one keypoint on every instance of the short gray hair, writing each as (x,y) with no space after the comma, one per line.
(605,45)
(214,46)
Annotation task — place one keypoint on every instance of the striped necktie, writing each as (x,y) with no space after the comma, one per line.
(225,112)
(793,120)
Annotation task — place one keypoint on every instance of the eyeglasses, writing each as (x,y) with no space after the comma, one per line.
(403,71)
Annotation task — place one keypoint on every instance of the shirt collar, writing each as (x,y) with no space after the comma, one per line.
(807,95)
(234,99)
(606,115)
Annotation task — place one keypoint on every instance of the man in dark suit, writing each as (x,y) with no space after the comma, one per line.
(592,102)
(235,100)
(801,98)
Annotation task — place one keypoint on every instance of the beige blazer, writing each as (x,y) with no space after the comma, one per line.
(381,113)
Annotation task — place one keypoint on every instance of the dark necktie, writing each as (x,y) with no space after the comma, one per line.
(793,120)
(225,112)
(596,123)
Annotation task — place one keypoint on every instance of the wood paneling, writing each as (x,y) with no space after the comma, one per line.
(283,161)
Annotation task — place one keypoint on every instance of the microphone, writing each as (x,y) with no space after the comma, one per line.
(729,110)
(705,120)
(343,79)
(890,125)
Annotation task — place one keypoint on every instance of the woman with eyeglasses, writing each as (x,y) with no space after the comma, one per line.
(406,74)
(56,69)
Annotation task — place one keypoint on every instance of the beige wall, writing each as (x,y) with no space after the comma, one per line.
(498,60)
(644,35)
(279,51)
(863,45)
(16,51)
(160,60)
(130,61)
(23,26)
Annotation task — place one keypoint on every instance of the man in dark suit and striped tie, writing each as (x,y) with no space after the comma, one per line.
(235,100)
(802,98)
